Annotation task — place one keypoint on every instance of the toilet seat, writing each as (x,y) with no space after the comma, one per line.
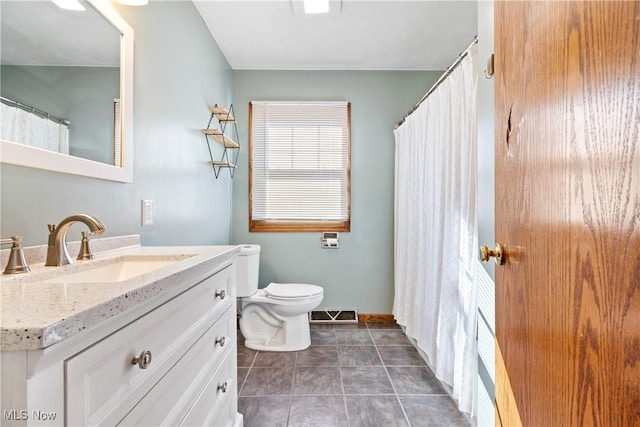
(290,291)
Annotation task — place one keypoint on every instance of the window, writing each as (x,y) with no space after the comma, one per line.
(117,134)
(299,166)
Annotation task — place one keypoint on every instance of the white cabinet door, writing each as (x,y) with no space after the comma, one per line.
(103,385)
(205,363)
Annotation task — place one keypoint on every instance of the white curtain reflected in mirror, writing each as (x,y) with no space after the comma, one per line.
(33,127)
(66,66)
(60,63)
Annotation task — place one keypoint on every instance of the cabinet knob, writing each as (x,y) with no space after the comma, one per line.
(221,294)
(221,341)
(143,361)
(223,387)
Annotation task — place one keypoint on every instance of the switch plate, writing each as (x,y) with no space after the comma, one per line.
(147,212)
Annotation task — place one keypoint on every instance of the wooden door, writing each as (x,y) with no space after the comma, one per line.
(567,128)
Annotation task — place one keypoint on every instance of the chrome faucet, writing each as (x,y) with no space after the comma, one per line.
(57,253)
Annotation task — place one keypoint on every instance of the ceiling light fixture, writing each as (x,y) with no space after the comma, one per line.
(316,6)
(69,4)
(133,2)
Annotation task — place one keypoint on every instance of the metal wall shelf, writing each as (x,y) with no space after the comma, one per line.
(231,147)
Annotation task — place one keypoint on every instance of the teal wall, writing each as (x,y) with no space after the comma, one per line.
(179,71)
(486,151)
(82,95)
(358,275)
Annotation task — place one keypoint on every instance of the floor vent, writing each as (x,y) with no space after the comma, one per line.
(333,316)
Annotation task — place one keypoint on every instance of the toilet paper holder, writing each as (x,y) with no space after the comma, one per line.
(329,240)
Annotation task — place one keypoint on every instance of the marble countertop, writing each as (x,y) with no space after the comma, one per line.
(38,309)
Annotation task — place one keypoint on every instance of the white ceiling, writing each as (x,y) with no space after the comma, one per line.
(265,34)
(38,32)
(356,35)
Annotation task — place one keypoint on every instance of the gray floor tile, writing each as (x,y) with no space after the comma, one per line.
(432,411)
(415,380)
(318,411)
(317,380)
(245,356)
(401,356)
(353,337)
(383,325)
(341,381)
(272,359)
(323,337)
(268,382)
(358,356)
(318,356)
(368,411)
(313,326)
(389,337)
(359,325)
(365,380)
(242,375)
(264,411)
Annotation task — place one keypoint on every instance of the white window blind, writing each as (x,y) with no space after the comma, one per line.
(300,162)
(117,134)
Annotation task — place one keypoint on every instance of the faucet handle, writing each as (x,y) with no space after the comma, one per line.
(17,262)
(85,249)
(51,227)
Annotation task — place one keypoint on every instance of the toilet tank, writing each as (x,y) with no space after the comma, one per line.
(247,268)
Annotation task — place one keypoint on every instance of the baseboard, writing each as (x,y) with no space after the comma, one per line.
(349,316)
(375,317)
(370,317)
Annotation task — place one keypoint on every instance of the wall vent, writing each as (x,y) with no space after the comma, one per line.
(333,316)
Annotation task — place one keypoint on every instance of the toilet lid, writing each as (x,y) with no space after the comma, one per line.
(292,290)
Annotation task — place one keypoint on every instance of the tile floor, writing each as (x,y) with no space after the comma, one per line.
(352,375)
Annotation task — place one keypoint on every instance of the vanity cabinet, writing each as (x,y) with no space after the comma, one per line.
(172,362)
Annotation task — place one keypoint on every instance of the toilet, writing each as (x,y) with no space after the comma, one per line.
(274,318)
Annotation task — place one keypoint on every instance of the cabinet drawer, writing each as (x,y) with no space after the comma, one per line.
(170,400)
(102,383)
(217,406)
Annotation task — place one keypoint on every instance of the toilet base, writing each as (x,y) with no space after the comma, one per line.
(265,330)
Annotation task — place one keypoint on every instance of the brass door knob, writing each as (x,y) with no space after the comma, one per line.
(497,254)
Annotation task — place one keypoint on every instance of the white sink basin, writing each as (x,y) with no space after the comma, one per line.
(119,269)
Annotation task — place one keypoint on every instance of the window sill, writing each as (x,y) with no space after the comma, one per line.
(298,226)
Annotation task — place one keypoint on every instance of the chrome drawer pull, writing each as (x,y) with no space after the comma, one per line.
(221,294)
(220,341)
(143,361)
(223,387)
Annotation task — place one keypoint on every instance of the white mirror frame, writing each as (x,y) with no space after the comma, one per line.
(23,155)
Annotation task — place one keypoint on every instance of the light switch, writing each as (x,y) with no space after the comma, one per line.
(147,212)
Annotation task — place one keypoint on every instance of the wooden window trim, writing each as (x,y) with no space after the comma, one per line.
(299,226)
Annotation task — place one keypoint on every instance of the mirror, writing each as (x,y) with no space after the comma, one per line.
(67,89)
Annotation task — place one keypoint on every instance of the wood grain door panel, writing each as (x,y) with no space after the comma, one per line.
(568,210)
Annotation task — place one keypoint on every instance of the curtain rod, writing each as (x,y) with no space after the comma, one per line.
(34,110)
(439,81)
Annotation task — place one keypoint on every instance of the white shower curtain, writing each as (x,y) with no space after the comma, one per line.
(435,229)
(17,125)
